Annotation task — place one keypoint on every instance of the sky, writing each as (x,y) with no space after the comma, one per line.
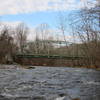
(35,12)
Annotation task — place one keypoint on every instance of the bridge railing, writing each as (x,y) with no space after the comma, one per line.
(48,56)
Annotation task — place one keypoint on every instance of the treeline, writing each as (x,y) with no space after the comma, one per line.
(15,41)
(12,41)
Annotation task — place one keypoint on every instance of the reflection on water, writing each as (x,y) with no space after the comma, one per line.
(45,83)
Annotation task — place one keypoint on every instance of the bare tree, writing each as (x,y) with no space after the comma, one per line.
(87,27)
(7,46)
(21,36)
(62,22)
(62,27)
(42,35)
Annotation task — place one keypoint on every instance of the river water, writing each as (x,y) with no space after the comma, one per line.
(46,83)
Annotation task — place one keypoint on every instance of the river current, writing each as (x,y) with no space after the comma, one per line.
(46,83)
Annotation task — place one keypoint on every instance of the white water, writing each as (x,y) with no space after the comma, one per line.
(46,83)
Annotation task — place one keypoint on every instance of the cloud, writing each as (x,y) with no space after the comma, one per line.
(27,6)
(10,24)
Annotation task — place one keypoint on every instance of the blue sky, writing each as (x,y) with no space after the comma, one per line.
(35,12)
(36,18)
(32,19)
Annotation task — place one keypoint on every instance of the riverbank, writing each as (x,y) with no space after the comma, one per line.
(12,66)
(16,66)
(54,62)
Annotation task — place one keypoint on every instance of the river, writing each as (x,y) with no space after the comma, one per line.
(46,83)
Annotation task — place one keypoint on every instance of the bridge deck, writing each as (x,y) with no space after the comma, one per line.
(48,56)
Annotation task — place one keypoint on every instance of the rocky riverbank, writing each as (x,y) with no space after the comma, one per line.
(17,66)
(4,66)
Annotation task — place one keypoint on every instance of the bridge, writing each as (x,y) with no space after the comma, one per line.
(51,49)
(48,56)
(48,60)
(51,53)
